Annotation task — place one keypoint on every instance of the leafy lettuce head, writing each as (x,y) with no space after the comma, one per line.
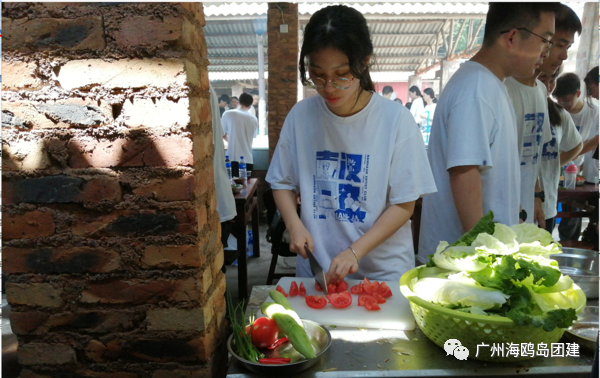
(457,258)
(529,233)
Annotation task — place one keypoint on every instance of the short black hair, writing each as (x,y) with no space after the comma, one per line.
(565,19)
(567,84)
(224,97)
(342,28)
(232,97)
(507,16)
(246,100)
(591,77)
(387,89)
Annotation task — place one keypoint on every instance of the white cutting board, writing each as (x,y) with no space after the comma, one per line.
(394,314)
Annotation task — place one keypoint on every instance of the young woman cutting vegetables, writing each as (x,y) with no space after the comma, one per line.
(357,160)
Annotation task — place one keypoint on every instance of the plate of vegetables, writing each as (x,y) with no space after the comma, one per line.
(280,342)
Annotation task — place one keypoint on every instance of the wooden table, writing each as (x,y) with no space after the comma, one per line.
(246,205)
(586,194)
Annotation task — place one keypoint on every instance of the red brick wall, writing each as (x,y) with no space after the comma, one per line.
(283,76)
(110,232)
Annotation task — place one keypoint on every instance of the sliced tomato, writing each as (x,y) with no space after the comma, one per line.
(315,301)
(370,287)
(341,285)
(372,306)
(384,290)
(280,289)
(366,280)
(363,298)
(331,289)
(340,300)
(302,290)
(318,287)
(357,289)
(379,298)
(293,289)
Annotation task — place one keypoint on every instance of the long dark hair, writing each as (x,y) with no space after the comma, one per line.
(415,89)
(344,29)
(554,110)
(591,77)
(431,94)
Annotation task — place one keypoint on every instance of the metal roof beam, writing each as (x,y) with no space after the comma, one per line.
(418,17)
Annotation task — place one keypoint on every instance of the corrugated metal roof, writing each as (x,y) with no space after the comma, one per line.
(408,37)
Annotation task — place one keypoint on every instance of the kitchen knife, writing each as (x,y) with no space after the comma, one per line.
(316,269)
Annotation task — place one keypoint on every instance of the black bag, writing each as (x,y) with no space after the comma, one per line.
(276,227)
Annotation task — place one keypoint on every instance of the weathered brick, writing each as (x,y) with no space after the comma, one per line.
(13,122)
(84,33)
(218,262)
(161,112)
(97,374)
(139,292)
(23,323)
(26,373)
(178,319)
(200,112)
(101,189)
(158,350)
(148,31)
(175,256)
(33,224)
(197,11)
(24,155)
(155,151)
(34,294)
(91,321)
(95,351)
(29,113)
(130,223)
(202,373)
(46,354)
(19,76)
(59,260)
(73,114)
(125,73)
(203,146)
(169,189)
(49,189)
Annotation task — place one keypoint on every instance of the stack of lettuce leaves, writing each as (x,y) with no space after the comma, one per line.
(498,270)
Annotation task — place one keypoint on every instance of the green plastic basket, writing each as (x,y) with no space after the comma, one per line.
(440,324)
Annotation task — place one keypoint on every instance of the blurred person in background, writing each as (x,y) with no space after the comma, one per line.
(387,92)
(234,103)
(417,104)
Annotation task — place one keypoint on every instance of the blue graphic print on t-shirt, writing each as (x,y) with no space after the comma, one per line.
(550,148)
(532,138)
(340,190)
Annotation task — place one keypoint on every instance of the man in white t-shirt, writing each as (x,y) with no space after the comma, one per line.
(473,145)
(585,117)
(240,127)
(528,96)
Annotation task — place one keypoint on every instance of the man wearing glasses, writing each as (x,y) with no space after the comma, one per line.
(473,144)
(528,96)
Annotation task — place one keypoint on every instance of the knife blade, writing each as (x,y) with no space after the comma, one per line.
(316,269)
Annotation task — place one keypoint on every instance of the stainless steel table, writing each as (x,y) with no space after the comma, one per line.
(358,352)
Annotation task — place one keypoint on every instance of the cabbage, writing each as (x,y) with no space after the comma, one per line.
(457,258)
(504,271)
(446,292)
(529,233)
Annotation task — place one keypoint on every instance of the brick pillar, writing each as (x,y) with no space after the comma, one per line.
(283,67)
(110,232)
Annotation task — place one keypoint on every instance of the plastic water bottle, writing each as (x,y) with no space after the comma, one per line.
(570,176)
(228,166)
(242,167)
(250,245)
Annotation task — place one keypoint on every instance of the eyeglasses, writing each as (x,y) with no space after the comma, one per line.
(339,83)
(545,40)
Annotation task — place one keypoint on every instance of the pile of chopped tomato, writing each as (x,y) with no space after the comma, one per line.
(371,294)
(332,288)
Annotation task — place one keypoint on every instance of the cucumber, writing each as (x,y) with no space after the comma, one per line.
(288,325)
(282,300)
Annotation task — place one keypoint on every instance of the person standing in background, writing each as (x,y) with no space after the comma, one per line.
(585,117)
(223,104)
(387,92)
(234,103)
(473,143)
(429,111)
(562,143)
(529,99)
(255,98)
(239,127)
(417,103)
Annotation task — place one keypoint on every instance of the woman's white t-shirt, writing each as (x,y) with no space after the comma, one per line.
(416,109)
(348,171)
(431,109)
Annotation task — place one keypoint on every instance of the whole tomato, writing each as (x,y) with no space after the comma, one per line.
(264,332)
